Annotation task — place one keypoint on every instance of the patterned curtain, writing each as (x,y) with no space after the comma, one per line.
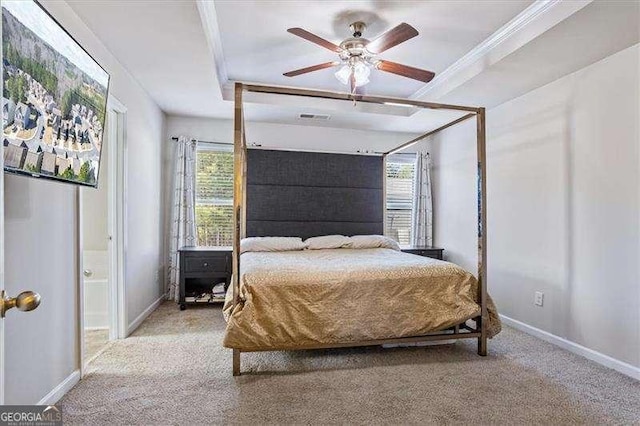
(183,226)
(422,219)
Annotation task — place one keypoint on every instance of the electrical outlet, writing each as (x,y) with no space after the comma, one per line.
(538,299)
(157,276)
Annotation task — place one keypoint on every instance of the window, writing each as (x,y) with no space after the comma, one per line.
(214,195)
(400,171)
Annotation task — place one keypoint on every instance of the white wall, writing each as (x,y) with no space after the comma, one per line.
(563,205)
(41,233)
(287,136)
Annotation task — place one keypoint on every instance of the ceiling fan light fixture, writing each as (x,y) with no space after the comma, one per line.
(361,74)
(360,71)
(343,74)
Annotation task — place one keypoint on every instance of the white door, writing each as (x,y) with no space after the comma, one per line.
(26,301)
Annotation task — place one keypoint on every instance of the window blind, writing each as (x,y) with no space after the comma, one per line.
(400,173)
(214,194)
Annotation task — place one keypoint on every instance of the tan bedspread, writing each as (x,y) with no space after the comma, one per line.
(298,298)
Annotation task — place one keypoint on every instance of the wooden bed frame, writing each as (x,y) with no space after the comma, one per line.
(461,331)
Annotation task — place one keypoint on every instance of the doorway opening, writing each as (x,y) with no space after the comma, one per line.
(102,245)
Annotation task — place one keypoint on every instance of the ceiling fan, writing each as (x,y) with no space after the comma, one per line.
(358,55)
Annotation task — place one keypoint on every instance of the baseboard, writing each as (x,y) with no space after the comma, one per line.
(59,391)
(600,358)
(143,316)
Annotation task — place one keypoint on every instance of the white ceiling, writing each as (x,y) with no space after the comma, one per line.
(163,45)
(344,114)
(587,36)
(187,53)
(257,47)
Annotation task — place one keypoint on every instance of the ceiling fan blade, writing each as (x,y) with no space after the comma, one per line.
(311,69)
(393,37)
(405,71)
(315,39)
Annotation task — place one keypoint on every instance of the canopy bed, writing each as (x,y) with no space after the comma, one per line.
(304,299)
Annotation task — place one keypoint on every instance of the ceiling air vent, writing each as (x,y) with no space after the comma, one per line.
(305,116)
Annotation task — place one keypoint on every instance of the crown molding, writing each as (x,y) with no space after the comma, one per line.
(209,18)
(533,21)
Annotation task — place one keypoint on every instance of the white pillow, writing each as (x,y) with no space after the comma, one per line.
(373,241)
(328,242)
(271,244)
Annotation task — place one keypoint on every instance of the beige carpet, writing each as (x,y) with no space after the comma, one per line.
(173,370)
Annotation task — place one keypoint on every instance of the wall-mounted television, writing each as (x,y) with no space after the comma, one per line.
(54,98)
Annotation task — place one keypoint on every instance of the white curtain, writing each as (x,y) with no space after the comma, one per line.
(183,224)
(422,219)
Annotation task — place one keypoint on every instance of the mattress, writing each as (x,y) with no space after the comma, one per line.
(295,299)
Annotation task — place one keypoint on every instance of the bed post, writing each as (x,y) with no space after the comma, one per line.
(239,166)
(482,229)
(384,193)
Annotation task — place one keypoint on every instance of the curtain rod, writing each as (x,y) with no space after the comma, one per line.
(175,139)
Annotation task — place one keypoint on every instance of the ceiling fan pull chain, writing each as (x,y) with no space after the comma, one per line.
(352,81)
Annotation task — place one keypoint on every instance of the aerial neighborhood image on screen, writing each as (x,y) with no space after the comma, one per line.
(53,100)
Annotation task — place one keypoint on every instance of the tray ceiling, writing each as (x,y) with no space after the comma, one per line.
(187,54)
(257,48)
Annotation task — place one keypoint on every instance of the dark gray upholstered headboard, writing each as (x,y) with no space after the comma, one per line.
(305,194)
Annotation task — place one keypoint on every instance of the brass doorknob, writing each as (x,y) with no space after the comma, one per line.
(26,301)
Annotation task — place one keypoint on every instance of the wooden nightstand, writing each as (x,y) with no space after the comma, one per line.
(200,269)
(433,252)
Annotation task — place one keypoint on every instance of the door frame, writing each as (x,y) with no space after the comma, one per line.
(116,232)
(117,224)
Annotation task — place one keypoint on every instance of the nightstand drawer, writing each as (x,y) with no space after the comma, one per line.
(435,253)
(206,264)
